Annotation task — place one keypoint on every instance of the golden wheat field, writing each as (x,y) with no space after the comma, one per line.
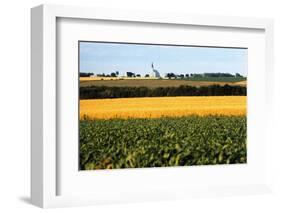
(156,107)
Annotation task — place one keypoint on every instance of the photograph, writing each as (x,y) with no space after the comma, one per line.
(161,105)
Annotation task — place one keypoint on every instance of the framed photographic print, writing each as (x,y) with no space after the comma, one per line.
(130,106)
(183,113)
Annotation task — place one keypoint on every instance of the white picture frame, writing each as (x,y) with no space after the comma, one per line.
(45,166)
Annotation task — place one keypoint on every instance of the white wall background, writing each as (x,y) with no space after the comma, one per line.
(15,98)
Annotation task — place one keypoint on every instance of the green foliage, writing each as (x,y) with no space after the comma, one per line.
(217,79)
(98,92)
(185,141)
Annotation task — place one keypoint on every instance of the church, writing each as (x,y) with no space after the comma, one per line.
(154,73)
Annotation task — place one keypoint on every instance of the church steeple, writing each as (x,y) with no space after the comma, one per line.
(154,72)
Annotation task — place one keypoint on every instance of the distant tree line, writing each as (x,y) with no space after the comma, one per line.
(99,92)
(203,75)
(216,75)
(86,74)
(168,75)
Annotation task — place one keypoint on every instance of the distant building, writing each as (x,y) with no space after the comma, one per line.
(154,73)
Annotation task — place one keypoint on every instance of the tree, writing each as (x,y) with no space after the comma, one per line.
(138,75)
(146,75)
(85,74)
(237,75)
(101,75)
(195,75)
(113,74)
(187,75)
(130,74)
(170,75)
(181,76)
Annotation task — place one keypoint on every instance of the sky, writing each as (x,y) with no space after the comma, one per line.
(137,58)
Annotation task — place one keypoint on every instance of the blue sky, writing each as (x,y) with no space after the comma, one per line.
(110,57)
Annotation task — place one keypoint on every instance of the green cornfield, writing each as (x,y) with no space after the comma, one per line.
(162,142)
